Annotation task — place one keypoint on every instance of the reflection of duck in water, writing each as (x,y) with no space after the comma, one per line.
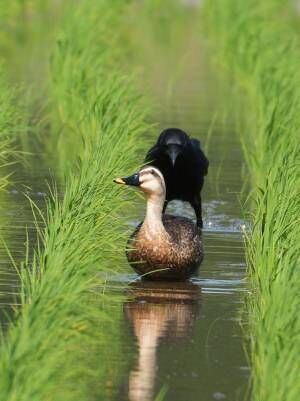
(162,247)
(159,310)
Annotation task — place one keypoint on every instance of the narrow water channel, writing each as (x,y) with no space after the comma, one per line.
(184,339)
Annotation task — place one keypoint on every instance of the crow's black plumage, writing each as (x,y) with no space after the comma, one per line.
(183,165)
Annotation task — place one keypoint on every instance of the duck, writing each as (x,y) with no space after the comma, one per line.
(162,247)
(183,165)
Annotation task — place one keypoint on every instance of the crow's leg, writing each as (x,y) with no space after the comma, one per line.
(196,204)
(165,206)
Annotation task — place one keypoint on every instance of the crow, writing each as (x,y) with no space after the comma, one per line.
(183,165)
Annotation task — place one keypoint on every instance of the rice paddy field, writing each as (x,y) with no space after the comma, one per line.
(85,89)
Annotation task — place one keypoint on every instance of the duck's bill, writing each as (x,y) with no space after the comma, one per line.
(132,180)
(119,181)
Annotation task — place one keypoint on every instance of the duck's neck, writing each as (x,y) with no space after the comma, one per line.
(153,220)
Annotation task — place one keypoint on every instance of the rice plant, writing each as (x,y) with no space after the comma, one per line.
(95,125)
(259,46)
(12,123)
(27,31)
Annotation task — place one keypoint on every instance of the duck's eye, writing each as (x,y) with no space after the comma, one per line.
(152,172)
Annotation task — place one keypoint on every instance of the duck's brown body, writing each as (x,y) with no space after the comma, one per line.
(171,254)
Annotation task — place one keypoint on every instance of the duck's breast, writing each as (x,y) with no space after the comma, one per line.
(180,245)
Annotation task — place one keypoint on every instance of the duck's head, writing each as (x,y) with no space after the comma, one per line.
(172,142)
(149,180)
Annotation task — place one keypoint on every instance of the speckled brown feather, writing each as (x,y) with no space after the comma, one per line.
(172,255)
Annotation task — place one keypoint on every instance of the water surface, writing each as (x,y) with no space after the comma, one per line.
(186,337)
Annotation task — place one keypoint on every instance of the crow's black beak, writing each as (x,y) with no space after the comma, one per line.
(173,152)
(133,180)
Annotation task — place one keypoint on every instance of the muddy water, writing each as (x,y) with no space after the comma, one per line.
(187,337)
(182,340)
(17,227)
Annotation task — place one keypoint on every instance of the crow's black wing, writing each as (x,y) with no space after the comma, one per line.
(152,155)
(196,143)
(201,159)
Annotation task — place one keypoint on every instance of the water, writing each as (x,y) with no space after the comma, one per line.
(17,226)
(184,339)
(187,337)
